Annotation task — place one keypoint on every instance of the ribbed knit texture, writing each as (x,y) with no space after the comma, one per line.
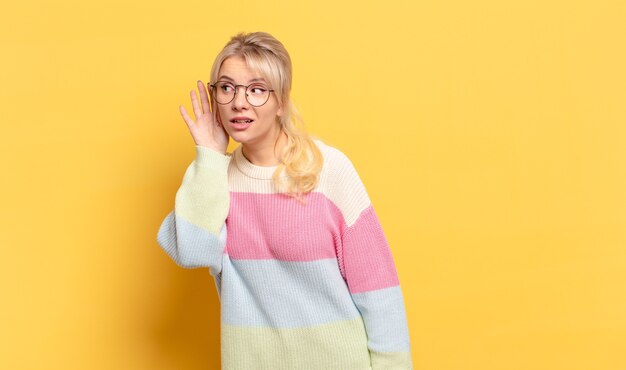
(301,286)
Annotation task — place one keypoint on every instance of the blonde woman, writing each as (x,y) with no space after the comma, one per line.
(303,271)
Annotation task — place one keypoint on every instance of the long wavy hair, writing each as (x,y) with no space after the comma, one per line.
(301,159)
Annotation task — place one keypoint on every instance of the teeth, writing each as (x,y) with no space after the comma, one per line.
(243,121)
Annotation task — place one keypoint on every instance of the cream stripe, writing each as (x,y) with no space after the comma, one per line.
(334,346)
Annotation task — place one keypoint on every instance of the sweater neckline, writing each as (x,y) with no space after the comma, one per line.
(252,170)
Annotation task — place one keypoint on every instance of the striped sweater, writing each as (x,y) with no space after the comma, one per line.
(301,286)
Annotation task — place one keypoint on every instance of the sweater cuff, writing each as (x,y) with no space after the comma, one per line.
(207,157)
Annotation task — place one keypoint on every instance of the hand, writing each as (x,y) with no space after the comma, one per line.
(205,130)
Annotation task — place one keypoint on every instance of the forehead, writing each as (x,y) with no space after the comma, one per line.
(235,68)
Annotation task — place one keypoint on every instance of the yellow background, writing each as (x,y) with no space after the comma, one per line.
(491,136)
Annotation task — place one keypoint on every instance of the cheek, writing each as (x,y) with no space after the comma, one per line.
(270,114)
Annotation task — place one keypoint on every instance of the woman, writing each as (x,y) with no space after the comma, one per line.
(305,276)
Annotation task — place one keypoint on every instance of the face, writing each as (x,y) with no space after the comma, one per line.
(265,126)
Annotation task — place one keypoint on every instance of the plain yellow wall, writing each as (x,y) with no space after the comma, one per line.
(491,136)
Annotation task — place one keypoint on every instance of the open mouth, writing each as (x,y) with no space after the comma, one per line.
(241,121)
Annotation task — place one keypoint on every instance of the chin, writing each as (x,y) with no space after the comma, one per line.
(237,137)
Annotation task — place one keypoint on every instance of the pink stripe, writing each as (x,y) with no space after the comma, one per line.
(367,259)
(274,226)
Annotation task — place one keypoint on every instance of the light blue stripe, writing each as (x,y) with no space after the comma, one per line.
(268,292)
(384,315)
(191,246)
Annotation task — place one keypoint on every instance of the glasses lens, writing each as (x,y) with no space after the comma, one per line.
(257,94)
(224,92)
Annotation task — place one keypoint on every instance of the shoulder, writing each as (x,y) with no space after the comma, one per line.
(344,186)
(335,160)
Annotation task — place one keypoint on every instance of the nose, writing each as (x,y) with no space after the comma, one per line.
(240,101)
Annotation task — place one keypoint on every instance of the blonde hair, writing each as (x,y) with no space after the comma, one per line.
(301,159)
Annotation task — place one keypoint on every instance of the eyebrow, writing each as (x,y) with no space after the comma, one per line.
(252,80)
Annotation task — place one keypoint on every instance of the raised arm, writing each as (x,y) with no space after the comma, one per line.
(194,233)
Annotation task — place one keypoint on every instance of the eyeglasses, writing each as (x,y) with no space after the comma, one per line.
(224,92)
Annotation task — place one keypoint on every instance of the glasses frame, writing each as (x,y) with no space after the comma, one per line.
(212,88)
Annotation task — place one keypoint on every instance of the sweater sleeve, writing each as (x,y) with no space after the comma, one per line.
(194,233)
(368,267)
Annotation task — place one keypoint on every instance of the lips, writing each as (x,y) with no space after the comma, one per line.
(241,120)
(241,123)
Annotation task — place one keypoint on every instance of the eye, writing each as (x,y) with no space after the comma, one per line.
(225,87)
(258,89)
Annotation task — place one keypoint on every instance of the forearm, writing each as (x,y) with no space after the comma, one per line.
(194,233)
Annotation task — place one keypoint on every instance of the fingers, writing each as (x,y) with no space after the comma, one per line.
(204,98)
(195,104)
(186,117)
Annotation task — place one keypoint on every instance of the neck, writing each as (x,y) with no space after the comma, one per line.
(265,154)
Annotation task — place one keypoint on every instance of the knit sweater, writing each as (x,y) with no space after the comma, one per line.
(301,286)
